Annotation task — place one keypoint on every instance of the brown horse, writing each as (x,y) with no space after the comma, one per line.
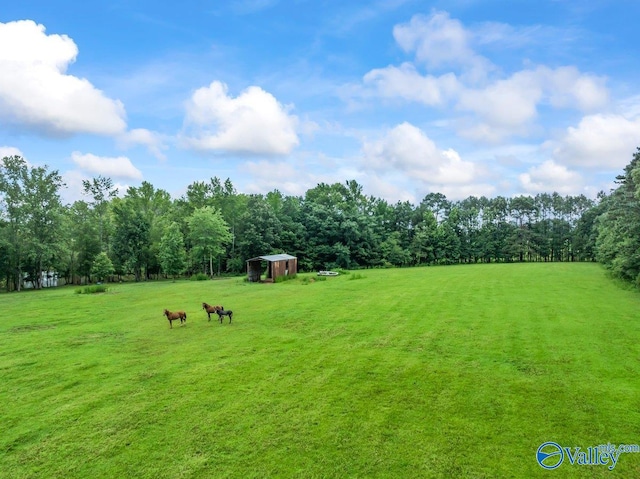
(181,315)
(211,309)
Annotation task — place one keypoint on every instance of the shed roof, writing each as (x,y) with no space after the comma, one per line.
(273,257)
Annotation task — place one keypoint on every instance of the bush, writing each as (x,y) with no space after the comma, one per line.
(199,277)
(97,288)
(357,276)
(281,279)
(312,279)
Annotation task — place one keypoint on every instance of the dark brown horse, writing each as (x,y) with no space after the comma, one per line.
(181,315)
(211,309)
(222,312)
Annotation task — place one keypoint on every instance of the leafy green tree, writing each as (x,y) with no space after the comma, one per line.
(83,239)
(102,191)
(447,244)
(425,238)
(34,212)
(618,241)
(208,233)
(288,211)
(12,172)
(392,251)
(259,229)
(156,207)
(102,267)
(171,253)
(131,238)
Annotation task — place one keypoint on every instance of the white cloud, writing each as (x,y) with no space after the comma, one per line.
(566,87)
(405,82)
(507,107)
(436,39)
(494,106)
(10,151)
(407,151)
(295,177)
(268,176)
(599,141)
(74,190)
(407,148)
(550,176)
(35,92)
(505,103)
(141,136)
(460,192)
(252,123)
(630,107)
(118,167)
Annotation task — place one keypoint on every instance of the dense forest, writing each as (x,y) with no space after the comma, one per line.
(213,229)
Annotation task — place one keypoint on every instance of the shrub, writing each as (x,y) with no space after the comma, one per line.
(199,277)
(97,288)
(357,276)
(281,279)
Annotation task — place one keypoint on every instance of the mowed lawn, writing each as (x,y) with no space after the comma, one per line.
(443,372)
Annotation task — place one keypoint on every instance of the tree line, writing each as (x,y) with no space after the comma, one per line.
(212,229)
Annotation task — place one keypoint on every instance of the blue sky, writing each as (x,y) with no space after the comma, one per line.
(463,97)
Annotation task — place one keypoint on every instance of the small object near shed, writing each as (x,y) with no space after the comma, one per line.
(277,265)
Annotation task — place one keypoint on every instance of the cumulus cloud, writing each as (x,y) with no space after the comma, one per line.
(74,190)
(38,95)
(268,176)
(494,106)
(295,177)
(117,167)
(437,40)
(141,136)
(407,148)
(566,87)
(407,83)
(407,151)
(254,122)
(505,103)
(599,141)
(550,176)
(509,106)
(10,151)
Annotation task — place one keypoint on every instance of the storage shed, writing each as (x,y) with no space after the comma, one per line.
(276,265)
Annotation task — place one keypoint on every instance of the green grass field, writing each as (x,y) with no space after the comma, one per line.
(445,372)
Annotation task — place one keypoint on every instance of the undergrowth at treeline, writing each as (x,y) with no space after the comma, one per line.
(92,289)
(452,372)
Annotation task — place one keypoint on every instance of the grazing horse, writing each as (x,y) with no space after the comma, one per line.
(222,312)
(211,309)
(181,315)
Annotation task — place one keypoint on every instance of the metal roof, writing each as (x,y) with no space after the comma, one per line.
(273,257)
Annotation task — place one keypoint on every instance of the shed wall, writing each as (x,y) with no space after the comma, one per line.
(284,267)
(275,269)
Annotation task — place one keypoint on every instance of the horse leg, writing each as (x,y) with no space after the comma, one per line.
(171,324)
(230,316)
(209,314)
